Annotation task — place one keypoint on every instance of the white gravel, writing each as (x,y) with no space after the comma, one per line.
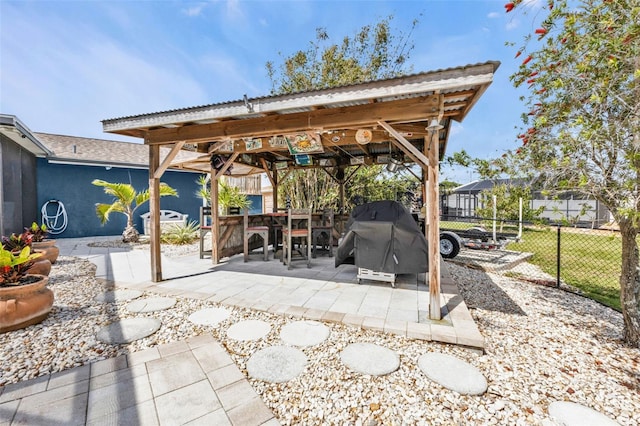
(543,345)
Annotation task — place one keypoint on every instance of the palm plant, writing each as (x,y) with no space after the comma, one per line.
(127,200)
(228,196)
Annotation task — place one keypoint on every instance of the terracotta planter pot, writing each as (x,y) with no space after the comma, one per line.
(42,244)
(50,253)
(41,267)
(24,305)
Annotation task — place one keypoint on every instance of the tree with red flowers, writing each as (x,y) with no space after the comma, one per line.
(582,127)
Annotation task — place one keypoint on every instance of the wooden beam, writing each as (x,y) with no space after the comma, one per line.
(226,166)
(154,209)
(406,146)
(215,219)
(267,171)
(168,159)
(216,146)
(432,221)
(412,109)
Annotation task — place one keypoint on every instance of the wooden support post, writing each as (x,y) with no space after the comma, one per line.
(432,218)
(274,186)
(215,219)
(154,209)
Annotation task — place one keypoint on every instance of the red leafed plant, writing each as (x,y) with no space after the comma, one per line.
(13,267)
(16,242)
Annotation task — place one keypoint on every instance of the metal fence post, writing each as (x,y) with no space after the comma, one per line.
(558,260)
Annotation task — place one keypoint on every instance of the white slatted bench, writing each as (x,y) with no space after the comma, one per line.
(167,218)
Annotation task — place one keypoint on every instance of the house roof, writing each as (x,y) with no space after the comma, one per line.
(478,186)
(16,130)
(254,131)
(90,151)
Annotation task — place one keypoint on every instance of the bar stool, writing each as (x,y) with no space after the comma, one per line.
(295,230)
(249,231)
(205,228)
(323,232)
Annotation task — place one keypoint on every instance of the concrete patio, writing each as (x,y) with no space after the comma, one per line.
(320,293)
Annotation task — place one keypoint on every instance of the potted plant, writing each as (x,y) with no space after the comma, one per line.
(39,241)
(24,298)
(16,242)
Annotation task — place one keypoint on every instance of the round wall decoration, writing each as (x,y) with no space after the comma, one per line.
(364,136)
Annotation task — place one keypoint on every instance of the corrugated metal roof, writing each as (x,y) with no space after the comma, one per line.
(309,93)
(402,106)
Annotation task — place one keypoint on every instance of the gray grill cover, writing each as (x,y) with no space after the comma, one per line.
(383,236)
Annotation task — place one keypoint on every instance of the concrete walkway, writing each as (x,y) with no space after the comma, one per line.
(191,382)
(195,381)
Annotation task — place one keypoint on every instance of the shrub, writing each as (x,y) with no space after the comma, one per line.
(181,234)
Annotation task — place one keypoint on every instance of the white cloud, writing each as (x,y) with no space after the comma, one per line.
(194,10)
(512,24)
(70,89)
(234,11)
(456,129)
(494,15)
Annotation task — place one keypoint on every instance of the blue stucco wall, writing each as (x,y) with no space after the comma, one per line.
(71,184)
(256,204)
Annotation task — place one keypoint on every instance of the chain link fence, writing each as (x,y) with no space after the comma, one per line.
(583,260)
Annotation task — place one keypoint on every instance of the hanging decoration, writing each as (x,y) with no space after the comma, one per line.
(304,144)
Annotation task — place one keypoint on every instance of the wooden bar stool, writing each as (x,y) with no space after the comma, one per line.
(249,231)
(205,228)
(323,233)
(296,229)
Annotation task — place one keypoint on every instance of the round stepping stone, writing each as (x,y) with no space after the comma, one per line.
(249,330)
(304,333)
(127,330)
(570,413)
(151,304)
(276,364)
(118,296)
(210,316)
(371,359)
(453,373)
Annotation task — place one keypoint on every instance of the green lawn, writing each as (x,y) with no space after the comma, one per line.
(589,261)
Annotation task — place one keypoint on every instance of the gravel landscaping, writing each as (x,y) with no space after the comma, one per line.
(543,345)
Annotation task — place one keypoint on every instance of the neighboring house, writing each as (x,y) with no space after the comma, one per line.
(19,151)
(576,208)
(39,167)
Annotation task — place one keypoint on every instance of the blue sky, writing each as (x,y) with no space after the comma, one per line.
(67,65)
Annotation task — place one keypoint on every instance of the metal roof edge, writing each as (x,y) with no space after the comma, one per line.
(13,121)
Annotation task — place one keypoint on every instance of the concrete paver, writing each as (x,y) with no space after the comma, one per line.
(304,333)
(369,358)
(249,330)
(127,330)
(151,389)
(573,414)
(453,373)
(276,364)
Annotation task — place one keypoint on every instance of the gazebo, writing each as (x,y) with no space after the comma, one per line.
(396,121)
